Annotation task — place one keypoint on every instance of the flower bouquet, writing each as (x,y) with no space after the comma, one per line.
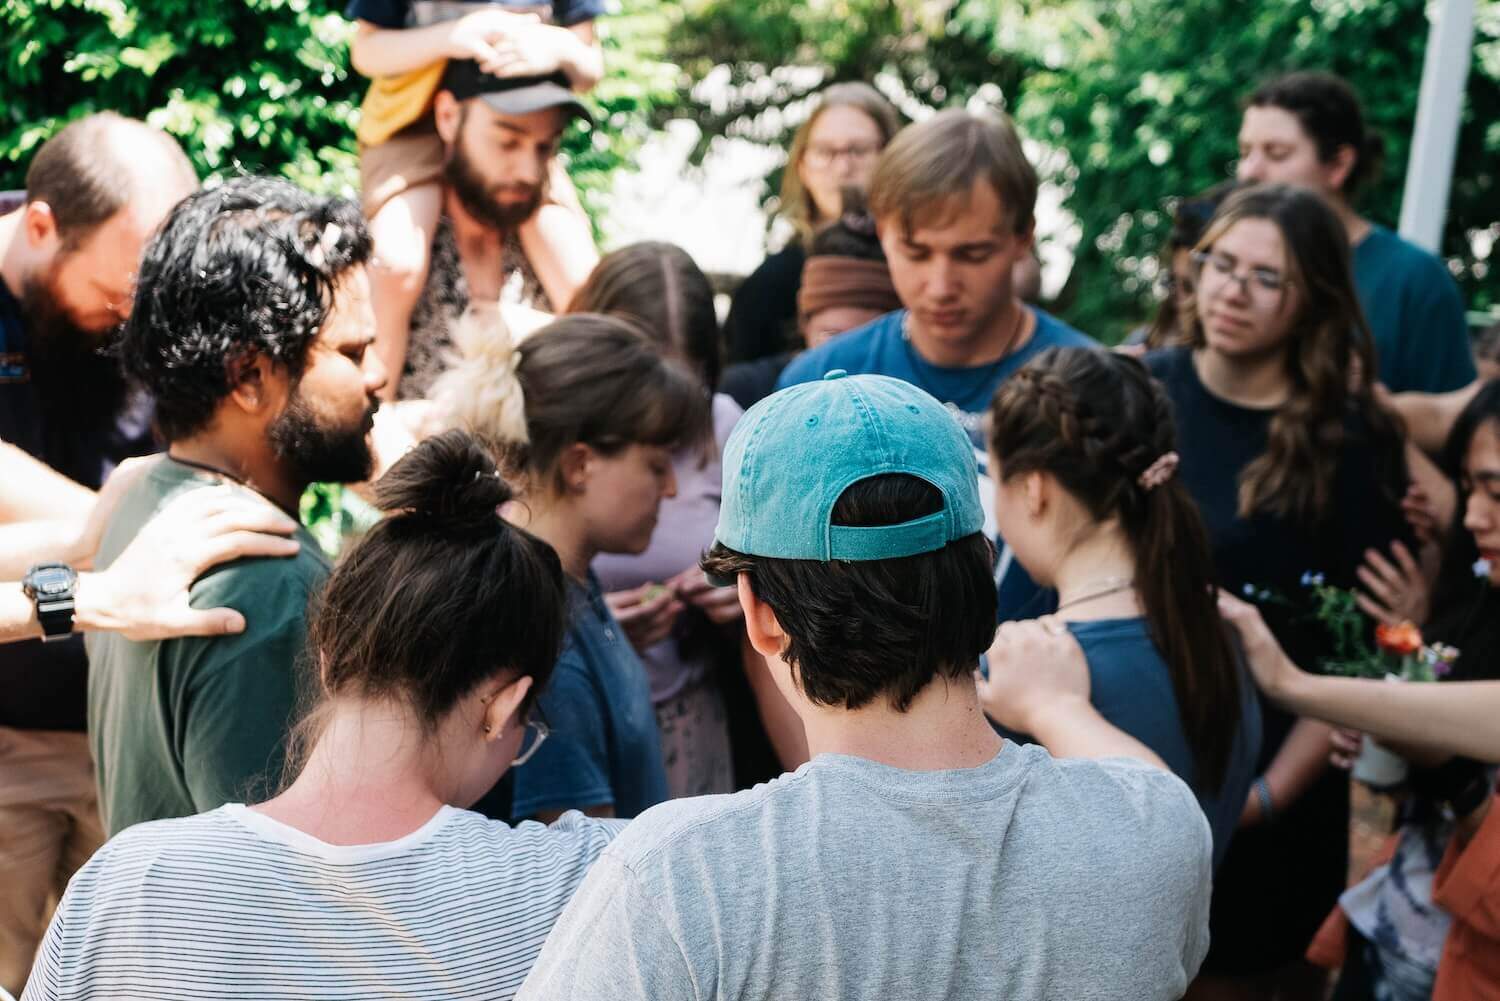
(1399,655)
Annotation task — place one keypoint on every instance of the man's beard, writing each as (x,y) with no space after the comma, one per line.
(319,454)
(78,380)
(477,195)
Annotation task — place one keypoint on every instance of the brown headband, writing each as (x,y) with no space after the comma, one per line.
(829,280)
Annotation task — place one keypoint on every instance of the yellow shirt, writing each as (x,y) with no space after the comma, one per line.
(394,102)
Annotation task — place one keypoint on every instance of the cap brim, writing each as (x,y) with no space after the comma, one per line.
(536,97)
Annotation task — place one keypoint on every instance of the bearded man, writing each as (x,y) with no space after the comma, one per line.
(252,330)
(501,137)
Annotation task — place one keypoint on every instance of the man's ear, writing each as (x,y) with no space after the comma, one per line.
(447,113)
(1338,169)
(764,629)
(256,384)
(40,225)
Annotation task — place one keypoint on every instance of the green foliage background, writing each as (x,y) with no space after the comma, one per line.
(265,86)
(1136,100)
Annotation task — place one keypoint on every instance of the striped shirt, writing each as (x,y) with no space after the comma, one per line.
(233,904)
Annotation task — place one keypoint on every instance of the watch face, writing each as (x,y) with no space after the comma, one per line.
(51,581)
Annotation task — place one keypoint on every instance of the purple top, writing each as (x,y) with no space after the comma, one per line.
(684,530)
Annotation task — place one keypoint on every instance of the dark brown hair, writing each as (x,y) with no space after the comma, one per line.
(659,288)
(932,166)
(1330,113)
(442,594)
(583,378)
(1190,217)
(84,175)
(1294,477)
(861,630)
(1095,421)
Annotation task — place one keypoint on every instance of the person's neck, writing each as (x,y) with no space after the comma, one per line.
(252,463)
(557,525)
(944,728)
(1259,382)
(14,266)
(1007,332)
(367,780)
(1098,563)
(1356,225)
(467,230)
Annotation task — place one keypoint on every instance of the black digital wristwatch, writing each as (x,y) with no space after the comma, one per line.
(51,588)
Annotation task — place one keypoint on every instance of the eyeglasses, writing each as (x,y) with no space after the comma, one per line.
(535,736)
(820,156)
(1221,267)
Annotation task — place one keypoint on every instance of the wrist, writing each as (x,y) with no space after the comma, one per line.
(94,606)
(1058,714)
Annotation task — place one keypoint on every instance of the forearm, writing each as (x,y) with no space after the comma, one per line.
(1074,729)
(32,491)
(377,51)
(581,57)
(26,544)
(1430,416)
(560,247)
(1302,758)
(92,609)
(1458,718)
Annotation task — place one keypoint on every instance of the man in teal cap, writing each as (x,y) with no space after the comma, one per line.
(917,855)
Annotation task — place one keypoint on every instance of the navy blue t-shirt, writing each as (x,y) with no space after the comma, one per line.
(879,348)
(1416,314)
(1131,687)
(44,686)
(604,749)
(400,13)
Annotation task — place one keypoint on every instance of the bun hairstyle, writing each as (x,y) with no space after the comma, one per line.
(441,595)
(659,288)
(1097,423)
(582,379)
(1330,114)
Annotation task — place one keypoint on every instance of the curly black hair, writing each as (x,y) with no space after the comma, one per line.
(244,269)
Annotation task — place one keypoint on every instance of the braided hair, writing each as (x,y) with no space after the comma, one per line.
(1098,424)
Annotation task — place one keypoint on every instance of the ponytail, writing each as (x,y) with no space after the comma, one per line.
(1103,428)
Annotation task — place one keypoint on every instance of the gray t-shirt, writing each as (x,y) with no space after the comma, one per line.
(1025,878)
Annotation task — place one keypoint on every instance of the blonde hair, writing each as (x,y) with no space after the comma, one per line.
(797,206)
(584,379)
(931,164)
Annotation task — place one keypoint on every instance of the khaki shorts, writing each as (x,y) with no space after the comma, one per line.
(408,159)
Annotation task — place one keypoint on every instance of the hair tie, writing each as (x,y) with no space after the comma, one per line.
(1159,471)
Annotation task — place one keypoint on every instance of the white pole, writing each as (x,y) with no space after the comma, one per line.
(1429,169)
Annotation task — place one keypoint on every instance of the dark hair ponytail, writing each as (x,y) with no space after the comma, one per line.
(443,594)
(1097,422)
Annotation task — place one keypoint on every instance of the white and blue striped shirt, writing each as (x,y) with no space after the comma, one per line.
(233,904)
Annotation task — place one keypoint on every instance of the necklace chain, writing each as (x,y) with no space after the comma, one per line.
(1110,585)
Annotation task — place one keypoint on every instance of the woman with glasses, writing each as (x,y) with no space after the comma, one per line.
(366,876)
(1308,129)
(587,415)
(1297,472)
(835,148)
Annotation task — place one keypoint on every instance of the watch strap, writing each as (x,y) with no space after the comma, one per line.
(56,618)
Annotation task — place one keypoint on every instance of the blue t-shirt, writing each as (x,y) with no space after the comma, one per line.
(402,13)
(1131,687)
(1416,314)
(879,348)
(604,748)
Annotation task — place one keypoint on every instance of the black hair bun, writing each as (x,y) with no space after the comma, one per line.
(450,479)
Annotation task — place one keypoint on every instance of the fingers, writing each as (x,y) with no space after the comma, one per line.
(1387,570)
(208,622)
(226,546)
(1375,610)
(1410,568)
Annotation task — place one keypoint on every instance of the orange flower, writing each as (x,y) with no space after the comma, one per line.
(1403,639)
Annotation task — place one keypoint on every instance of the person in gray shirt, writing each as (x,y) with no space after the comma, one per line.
(918,854)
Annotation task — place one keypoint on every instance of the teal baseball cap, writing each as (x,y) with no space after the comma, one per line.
(793,454)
